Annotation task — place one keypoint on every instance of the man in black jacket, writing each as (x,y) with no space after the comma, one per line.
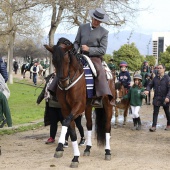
(161,85)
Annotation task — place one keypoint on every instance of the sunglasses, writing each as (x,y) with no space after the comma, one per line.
(159,68)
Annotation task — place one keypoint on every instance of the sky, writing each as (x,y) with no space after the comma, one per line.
(154,19)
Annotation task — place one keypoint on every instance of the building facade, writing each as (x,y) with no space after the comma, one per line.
(160,41)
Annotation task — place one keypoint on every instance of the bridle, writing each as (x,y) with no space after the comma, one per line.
(69,81)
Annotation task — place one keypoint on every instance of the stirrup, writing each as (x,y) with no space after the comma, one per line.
(97,103)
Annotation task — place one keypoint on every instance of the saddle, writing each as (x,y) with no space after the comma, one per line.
(105,67)
(100,87)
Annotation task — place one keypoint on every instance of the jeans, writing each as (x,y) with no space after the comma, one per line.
(156,112)
(35,78)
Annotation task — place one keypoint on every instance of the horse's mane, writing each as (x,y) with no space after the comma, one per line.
(59,54)
(118,85)
(57,59)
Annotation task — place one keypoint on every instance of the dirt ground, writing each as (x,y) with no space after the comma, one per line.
(142,150)
(131,150)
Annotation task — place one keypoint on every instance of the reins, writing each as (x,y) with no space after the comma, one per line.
(71,81)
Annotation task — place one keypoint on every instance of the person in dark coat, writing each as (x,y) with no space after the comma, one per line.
(161,85)
(53,112)
(3,70)
(15,66)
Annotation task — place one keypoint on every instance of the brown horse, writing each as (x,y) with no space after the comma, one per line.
(71,94)
(120,103)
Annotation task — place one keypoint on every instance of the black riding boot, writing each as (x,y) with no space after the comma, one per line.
(135,123)
(139,124)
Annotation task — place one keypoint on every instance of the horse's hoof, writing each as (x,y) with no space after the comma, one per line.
(107,157)
(86,153)
(58,154)
(74,165)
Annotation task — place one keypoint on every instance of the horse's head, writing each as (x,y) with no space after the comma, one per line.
(63,59)
(120,91)
(60,55)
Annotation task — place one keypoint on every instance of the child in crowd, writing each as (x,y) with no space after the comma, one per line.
(124,76)
(135,95)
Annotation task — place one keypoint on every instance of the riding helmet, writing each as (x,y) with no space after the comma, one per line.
(137,76)
(123,63)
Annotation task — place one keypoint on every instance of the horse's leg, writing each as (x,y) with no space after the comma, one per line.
(24,74)
(108,110)
(116,117)
(88,115)
(125,114)
(30,75)
(59,150)
(73,136)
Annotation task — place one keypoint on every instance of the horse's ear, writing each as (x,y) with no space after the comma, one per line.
(69,47)
(50,49)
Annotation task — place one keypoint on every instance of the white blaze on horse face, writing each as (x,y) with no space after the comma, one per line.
(118,98)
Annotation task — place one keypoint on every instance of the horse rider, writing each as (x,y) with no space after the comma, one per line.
(92,40)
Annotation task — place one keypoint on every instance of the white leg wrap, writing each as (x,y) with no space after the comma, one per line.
(107,141)
(75,148)
(89,142)
(63,134)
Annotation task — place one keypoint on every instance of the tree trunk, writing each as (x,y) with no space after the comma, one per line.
(54,24)
(10,57)
(11,48)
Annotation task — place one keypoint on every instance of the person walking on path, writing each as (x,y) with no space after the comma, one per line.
(136,95)
(161,85)
(35,69)
(81,130)
(53,112)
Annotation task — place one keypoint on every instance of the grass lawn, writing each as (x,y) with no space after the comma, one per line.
(22,103)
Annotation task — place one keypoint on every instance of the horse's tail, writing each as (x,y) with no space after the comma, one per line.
(100,125)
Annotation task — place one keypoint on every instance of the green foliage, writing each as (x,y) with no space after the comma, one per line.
(165,58)
(107,57)
(151,60)
(130,54)
(22,103)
